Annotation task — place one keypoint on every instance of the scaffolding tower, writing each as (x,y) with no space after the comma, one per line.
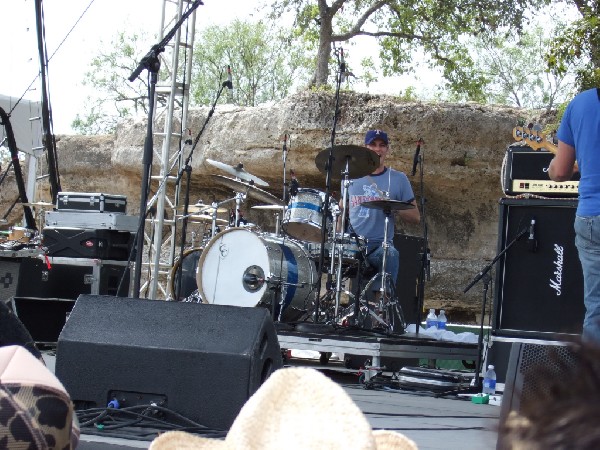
(171,113)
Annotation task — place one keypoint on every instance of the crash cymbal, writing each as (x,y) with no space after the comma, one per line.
(391,205)
(238,172)
(361,161)
(39,204)
(252,191)
(275,207)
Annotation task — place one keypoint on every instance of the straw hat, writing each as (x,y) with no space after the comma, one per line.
(295,408)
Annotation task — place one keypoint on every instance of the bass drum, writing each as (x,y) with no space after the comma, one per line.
(242,268)
(185,268)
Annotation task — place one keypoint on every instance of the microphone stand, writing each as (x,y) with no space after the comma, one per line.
(150,62)
(485,276)
(187,169)
(425,257)
(342,70)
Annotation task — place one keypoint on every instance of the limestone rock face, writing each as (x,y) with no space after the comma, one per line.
(460,186)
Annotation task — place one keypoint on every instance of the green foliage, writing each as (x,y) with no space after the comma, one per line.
(115,97)
(579,44)
(436,28)
(266,63)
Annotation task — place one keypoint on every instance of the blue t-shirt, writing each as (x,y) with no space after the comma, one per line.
(368,222)
(580,128)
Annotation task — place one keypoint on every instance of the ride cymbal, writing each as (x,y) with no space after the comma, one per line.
(248,189)
(390,205)
(361,161)
(237,171)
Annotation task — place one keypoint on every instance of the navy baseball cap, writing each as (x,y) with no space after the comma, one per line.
(375,134)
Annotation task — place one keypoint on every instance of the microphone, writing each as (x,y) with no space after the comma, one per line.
(416,158)
(229,83)
(343,74)
(531,240)
(285,147)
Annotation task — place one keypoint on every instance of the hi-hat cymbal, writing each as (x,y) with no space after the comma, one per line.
(391,205)
(238,172)
(202,218)
(202,208)
(39,204)
(275,207)
(361,161)
(252,191)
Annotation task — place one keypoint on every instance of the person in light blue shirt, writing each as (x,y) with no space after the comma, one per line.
(383,183)
(579,149)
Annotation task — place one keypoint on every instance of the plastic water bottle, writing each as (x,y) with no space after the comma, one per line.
(489,381)
(442,320)
(431,320)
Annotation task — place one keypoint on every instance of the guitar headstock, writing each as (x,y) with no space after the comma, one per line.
(534,138)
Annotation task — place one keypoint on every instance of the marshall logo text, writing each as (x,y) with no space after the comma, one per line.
(556,282)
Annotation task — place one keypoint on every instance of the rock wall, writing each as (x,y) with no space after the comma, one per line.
(463,150)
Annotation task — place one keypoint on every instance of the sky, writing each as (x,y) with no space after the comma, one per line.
(100,23)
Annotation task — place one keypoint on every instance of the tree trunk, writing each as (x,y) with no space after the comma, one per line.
(324,51)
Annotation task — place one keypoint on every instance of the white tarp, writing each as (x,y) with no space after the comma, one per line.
(28,133)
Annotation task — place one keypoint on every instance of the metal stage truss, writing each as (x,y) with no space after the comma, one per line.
(172,91)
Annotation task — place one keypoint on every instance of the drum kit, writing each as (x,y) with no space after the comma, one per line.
(244,266)
(19,237)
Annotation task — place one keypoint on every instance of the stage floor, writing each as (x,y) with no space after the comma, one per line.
(432,422)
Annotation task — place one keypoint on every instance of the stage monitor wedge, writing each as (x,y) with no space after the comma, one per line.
(201,361)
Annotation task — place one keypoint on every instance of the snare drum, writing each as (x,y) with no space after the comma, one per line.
(242,268)
(185,268)
(350,252)
(304,215)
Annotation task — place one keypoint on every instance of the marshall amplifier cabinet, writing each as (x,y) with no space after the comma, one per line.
(525,171)
(93,202)
(539,280)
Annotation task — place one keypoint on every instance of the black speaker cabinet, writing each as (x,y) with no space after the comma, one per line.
(411,249)
(9,276)
(67,278)
(44,318)
(529,367)
(201,361)
(539,282)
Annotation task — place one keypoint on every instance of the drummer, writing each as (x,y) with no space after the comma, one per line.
(383,183)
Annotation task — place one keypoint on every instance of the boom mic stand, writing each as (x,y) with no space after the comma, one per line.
(151,62)
(187,169)
(485,276)
(339,53)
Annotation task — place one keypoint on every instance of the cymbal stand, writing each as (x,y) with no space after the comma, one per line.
(387,304)
(339,246)
(216,206)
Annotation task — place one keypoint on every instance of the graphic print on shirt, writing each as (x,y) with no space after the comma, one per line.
(370,192)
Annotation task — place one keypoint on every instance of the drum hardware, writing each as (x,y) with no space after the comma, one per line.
(238,172)
(387,303)
(278,216)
